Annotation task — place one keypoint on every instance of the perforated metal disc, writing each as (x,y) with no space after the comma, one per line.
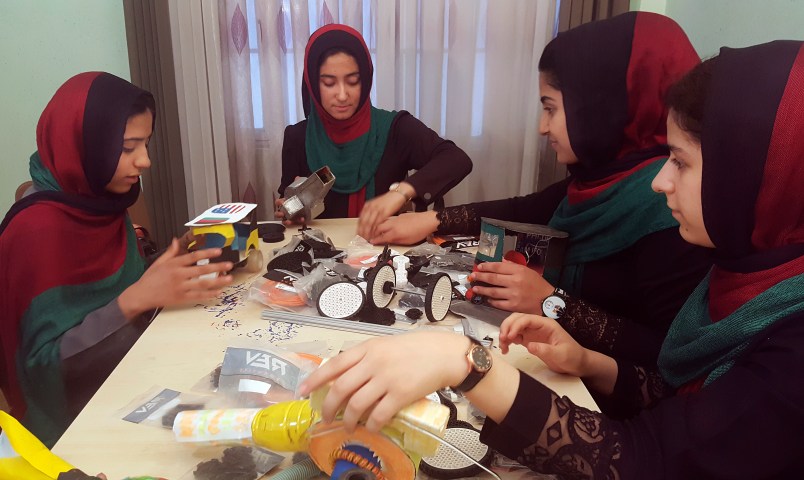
(340,300)
(376,283)
(447,463)
(438,298)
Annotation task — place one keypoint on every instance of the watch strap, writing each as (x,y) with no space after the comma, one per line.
(474,376)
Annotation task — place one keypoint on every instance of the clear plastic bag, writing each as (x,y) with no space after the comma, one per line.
(273,293)
(360,253)
(251,377)
(159,406)
(235,463)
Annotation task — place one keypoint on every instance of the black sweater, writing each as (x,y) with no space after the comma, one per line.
(439,163)
(747,424)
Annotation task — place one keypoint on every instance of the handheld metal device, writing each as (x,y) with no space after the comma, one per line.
(305,196)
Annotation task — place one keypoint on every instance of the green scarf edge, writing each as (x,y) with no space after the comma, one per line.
(695,346)
(596,228)
(353,163)
(41,176)
(47,318)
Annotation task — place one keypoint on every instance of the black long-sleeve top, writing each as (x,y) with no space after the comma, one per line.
(747,424)
(439,163)
(635,293)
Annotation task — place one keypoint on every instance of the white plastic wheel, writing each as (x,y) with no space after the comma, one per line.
(376,284)
(438,298)
(340,300)
(254,261)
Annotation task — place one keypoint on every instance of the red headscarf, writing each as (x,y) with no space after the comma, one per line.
(753,171)
(613,77)
(338,36)
(72,231)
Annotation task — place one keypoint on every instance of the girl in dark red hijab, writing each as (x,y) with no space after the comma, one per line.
(73,285)
(734,182)
(369,150)
(626,271)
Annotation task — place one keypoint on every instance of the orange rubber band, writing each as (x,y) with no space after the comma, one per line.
(358,460)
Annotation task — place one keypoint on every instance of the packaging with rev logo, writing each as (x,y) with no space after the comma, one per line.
(159,406)
(259,376)
(536,246)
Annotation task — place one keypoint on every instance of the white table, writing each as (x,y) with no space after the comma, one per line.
(184,344)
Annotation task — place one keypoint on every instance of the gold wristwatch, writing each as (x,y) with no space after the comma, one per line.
(480,360)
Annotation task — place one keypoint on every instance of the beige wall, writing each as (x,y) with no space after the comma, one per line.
(42,44)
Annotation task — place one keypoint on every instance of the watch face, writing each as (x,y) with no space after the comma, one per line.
(481,358)
(553,306)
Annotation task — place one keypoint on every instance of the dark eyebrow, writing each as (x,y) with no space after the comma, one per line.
(674,149)
(545,98)
(324,75)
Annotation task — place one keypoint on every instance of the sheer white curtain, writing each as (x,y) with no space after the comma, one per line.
(466,68)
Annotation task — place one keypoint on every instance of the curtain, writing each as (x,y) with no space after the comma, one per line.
(162,206)
(466,68)
(576,12)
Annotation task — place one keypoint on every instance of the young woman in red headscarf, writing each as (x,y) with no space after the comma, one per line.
(626,270)
(74,290)
(369,150)
(726,399)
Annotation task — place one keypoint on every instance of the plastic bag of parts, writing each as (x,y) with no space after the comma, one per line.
(360,253)
(252,377)
(304,285)
(426,249)
(159,406)
(278,295)
(234,463)
(412,300)
(312,241)
(288,247)
(457,261)
(321,245)
(349,271)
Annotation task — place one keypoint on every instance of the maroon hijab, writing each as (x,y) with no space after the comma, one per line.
(325,38)
(613,76)
(753,171)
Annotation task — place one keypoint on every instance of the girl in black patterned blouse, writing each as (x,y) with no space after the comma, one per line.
(725,401)
(627,270)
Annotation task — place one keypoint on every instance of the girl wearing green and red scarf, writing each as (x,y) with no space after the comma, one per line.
(369,150)
(74,289)
(627,270)
(726,400)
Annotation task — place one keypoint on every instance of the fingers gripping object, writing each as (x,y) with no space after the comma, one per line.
(535,246)
(394,453)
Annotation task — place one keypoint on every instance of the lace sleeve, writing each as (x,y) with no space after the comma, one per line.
(639,387)
(460,219)
(611,334)
(590,326)
(562,439)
